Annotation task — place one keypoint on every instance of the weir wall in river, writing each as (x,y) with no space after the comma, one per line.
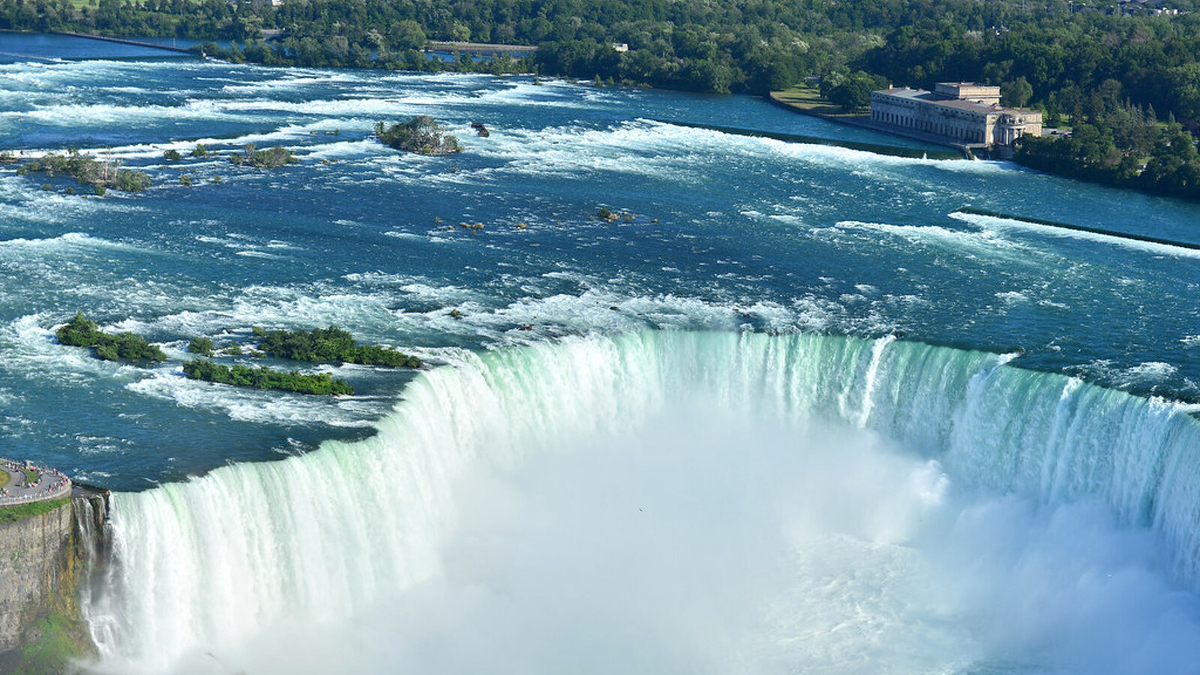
(44,559)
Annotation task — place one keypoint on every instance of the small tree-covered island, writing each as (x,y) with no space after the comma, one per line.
(331,345)
(262,377)
(422,135)
(83,332)
(87,170)
(320,345)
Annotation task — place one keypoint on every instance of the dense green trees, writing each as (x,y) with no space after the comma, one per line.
(316,346)
(1055,60)
(851,91)
(1119,143)
(83,332)
(266,378)
(202,346)
(331,345)
(320,345)
(1037,50)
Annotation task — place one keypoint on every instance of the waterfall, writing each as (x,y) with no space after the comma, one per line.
(225,555)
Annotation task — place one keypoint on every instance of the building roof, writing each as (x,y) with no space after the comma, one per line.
(934,99)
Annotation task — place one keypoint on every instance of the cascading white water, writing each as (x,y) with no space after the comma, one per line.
(208,564)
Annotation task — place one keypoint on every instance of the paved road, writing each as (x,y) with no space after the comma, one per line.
(51,484)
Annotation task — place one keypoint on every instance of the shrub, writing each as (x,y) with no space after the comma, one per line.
(83,332)
(263,377)
(271,158)
(421,135)
(132,181)
(201,345)
(333,345)
(86,170)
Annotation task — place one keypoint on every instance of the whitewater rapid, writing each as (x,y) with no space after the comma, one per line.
(815,502)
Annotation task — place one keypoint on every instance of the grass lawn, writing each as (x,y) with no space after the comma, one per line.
(5,477)
(807,100)
(9,514)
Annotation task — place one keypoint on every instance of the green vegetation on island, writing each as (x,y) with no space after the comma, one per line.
(421,134)
(202,346)
(332,345)
(321,345)
(271,158)
(87,170)
(851,92)
(83,332)
(262,377)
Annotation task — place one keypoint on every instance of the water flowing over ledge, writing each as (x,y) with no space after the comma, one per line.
(322,535)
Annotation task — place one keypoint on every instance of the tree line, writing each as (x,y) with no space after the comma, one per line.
(1054,55)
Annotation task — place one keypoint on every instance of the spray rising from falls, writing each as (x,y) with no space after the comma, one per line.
(207,564)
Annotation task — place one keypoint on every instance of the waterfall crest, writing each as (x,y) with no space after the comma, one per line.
(220,557)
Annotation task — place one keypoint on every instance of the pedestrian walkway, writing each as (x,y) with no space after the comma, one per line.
(28,483)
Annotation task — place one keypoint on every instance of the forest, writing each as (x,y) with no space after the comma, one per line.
(1098,65)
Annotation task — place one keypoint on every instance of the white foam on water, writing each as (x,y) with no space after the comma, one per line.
(24,200)
(985,243)
(344,150)
(1012,297)
(71,242)
(1065,233)
(260,254)
(66,114)
(636,148)
(246,405)
(32,349)
(290,79)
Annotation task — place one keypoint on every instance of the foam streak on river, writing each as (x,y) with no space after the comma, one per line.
(792,411)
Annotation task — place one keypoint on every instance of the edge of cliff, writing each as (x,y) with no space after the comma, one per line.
(45,560)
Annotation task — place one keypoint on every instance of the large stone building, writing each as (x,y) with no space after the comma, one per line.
(959,113)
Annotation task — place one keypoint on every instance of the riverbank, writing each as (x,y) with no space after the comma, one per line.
(123,41)
(812,104)
(58,46)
